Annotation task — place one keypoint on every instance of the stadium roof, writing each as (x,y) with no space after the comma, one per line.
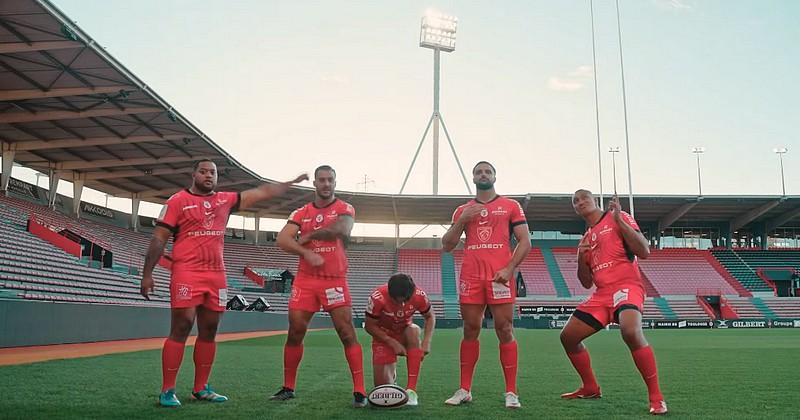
(66,105)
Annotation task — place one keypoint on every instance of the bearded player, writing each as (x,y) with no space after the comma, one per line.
(487,276)
(197,218)
(607,259)
(324,227)
(388,320)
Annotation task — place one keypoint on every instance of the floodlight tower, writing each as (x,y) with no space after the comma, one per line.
(438,33)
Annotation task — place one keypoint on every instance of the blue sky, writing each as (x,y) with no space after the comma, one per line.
(287,85)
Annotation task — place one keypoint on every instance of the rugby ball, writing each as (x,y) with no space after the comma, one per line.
(387,396)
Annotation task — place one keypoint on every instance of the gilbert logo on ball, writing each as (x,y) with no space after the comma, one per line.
(387,396)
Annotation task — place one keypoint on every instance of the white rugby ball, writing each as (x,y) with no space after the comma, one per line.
(387,396)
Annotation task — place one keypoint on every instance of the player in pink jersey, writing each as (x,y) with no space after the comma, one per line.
(197,218)
(388,320)
(607,259)
(323,226)
(487,276)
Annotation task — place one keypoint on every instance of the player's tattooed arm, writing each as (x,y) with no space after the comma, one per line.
(584,269)
(430,323)
(154,252)
(520,252)
(287,242)
(266,191)
(634,239)
(340,229)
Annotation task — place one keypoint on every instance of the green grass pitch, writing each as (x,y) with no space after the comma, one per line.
(704,374)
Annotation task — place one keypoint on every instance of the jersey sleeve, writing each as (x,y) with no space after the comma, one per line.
(375,305)
(517,215)
(296,218)
(170,213)
(421,302)
(234,200)
(630,221)
(347,209)
(457,213)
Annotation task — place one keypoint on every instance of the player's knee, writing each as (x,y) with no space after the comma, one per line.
(295,336)
(505,331)
(568,341)
(633,337)
(347,335)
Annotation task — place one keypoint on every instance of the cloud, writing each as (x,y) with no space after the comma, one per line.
(573,81)
(564,85)
(674,4)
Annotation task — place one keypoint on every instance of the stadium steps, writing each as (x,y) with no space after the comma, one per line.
(743,292)
(741,270)
(555,273)
(649,289)
(449,292)
(763,307)
(9,294)
(664,307)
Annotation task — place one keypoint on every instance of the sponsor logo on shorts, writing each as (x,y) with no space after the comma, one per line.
(184,292)
(463,288)
(620,296)
(500,290)
(334,295)
(295,294)
(223,297)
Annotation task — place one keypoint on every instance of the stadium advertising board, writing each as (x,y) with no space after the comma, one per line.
(97,210)
(23,189)
(551,310)
(681,323)
(758,323)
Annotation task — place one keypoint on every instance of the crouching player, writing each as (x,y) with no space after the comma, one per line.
(388,321)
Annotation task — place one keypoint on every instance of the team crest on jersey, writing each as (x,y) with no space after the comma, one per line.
(319,218)
(484,213)
(484,233)
(206,204)
(594,236)
(208,222)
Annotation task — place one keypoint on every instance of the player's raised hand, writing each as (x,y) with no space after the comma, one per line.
(615,207)
(584,247)
(503,275)
(470,212)
(147,286)
(300,178)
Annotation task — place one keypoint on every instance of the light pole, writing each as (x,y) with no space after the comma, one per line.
(781,151)
(438,33)
(625,113)
(697,152)
(614,150)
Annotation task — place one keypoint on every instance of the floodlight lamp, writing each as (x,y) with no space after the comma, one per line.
(438,32)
